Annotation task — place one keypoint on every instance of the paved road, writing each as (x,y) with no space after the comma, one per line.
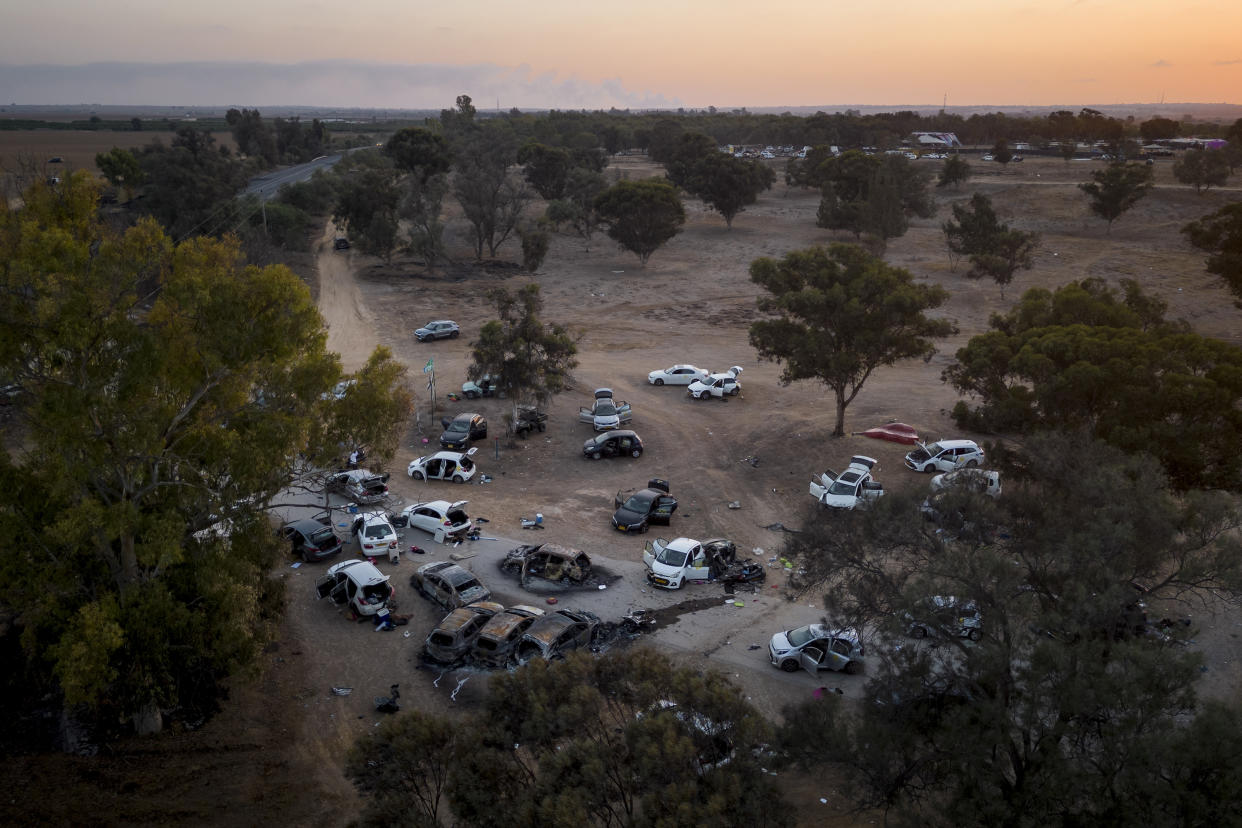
(266,186)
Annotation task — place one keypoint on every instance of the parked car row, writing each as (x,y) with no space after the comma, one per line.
(488,635)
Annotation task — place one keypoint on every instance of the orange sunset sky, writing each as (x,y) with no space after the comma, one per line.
(549,53)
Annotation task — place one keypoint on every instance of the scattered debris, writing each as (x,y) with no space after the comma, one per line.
(457,689)
(754,646)
(735,504)
(754,461)
(342,691)
(389,704)
(780,527)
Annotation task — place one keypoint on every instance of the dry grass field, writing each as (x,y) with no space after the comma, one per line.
(693,303)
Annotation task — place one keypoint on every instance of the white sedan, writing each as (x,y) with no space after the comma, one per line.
(444,465)
(375,534)
(436,516)
(677,375)
(717,385)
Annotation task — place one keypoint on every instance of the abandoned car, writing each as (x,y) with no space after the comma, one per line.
(605,412)
(946,615)
(312,539)
(439,517)
(443,465)
(670,564)
(452,638)
(613,444)
(494,645)
(375,534)
(548,561)
(637,509)
(556,634)
(358,585)
(717,386)
(459,431)
(973,480)
(677,375)
(359,485)
(853,487)
(448,585)
(945,456)
(815,647)
(439,329)
(484,386)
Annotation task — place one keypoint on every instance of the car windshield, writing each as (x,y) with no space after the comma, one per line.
(605,408)
(640,503)
(672,557)
(457,427)
(846,484)
(800,636)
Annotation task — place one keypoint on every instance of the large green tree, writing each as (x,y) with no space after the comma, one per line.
(842,313)
(121,169)
(872,194)
(1088,357)
(1116,188)
(1220,234)
(420,152)
(1202,169)
(169,391)
(367,200)
(527,358)
(641,215)
(1072,708)
(622,740)
(546,169)
(995,249)
(492,198)
(728,184)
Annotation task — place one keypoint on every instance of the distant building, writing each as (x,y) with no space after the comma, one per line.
(936,139)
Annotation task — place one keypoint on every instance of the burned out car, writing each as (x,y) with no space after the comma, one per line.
(453,637)
(637,509)
(358,585)
(448,585)
(359,485)
(548,561)
(556,634)
(495,643)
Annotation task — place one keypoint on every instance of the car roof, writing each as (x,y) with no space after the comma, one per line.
(618,432)
(957,443)
(461,616)
(442,505)
(555,549)
(363,572)
(681,544)
(823,631)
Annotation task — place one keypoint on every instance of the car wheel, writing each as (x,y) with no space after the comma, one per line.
(595,455)
(659,382)
(416,474)
(852,668)
(930,468)
(457,478)
(972,464)
(790,666)
(636,453)
(642,530)
(919,632)
(734,391)
(453,335)
(705,396)
(541,428)
(470,395)
(975,634)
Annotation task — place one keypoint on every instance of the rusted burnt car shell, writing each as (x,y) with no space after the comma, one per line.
(556,634)
(496,641)
(550,562)
(452,637)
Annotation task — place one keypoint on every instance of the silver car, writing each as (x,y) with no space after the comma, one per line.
(439,329)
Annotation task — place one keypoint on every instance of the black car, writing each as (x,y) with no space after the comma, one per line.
(637,509)
(340,243)
(312,538)
(460,430)
(613,444)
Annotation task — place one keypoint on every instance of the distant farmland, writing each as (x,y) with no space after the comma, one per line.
(18,148)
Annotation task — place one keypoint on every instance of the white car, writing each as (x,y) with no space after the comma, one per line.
(605,413)
(945,456)
(976,480)
(717,385)
(375,534)
(670,564)
(944,613)
(677,375)
(356,584)
(850,488)
(437,516)
(815,647)
(444,465)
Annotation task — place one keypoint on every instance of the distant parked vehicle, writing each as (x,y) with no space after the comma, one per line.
(945,456)
(439,329)
(340,243)
(613,444)
(677,375)
(718,386)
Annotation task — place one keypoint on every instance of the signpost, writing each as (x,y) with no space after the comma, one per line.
(430,370)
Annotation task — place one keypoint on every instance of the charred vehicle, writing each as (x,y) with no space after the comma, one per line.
(453,637)
(556,634)
(548,561)
(359,485)
(495,643)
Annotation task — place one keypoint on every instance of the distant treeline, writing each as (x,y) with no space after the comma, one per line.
(97,124)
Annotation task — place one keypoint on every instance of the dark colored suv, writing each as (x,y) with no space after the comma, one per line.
(312,539)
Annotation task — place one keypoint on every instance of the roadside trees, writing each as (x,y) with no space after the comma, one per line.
(1220,234)
(1116,188)
(366,205)
(426,158)
(1073,707)
(1085,357)
(546,169)
(121,169)
(1001,152)
(641,215)
(169,391)
(842,313)
(622,739)
(995,250)
(1202,169)
(526,357)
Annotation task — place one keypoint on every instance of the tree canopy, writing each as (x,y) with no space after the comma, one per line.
(1074,707)
(1116,188)
(641,215)
(956,170)
(1085,357)
(526,357)
(167,393)
(1220,234)
(995,249)
(842,313)
(728,184)
(623,739)
(872,194)
(1202,169)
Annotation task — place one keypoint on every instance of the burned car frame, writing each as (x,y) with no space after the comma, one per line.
(549,562)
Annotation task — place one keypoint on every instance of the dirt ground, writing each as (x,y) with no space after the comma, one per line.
(285,733)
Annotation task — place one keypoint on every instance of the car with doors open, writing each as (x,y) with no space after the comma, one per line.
(461,430)
(375,534)
(356,584)
(439,329)
(827,648)
(945,615)
(619,443)
(444,465)
(484,386)
(979,481)
(851,488)
(312,539)
(495,643)
(359,485)
(448,584)
(556,634)
(451,639)
(677,375)
(435,517)
(717,386)
(945,456)
(605,412)
(671,564)
(636,510)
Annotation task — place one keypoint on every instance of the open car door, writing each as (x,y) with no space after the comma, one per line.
(664,508)
(818,488)
(332,587)
(585,415)
(697,568)
(812,659)
(651,549)
(624,412)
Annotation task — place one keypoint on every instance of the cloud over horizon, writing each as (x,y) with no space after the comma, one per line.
(315,83)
